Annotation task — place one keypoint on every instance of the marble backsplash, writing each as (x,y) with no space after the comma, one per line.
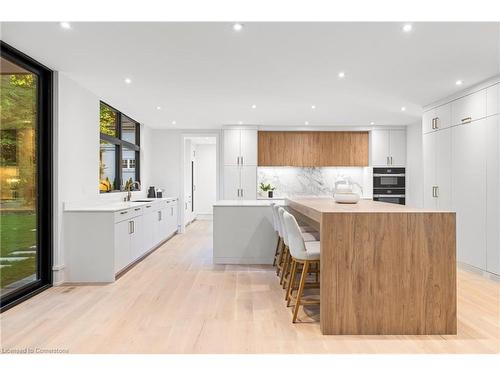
(316,181)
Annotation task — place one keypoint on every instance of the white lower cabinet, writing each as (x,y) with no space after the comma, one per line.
(122,244)
(240,182)
(469,191)
(437,169)
(102,243)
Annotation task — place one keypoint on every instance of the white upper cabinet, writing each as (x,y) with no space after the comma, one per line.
(397,147)
(436,119)
(388,148)
(240,147)
(468,108)
(232,139)
(249,147)
(380,147)
(493,100)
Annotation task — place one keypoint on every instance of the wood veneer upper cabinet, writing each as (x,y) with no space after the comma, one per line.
(313,148)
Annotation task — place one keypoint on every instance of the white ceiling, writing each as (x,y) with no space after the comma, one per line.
(204,75)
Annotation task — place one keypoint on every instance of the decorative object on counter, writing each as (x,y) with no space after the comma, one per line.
(159,193)
(105,185)
(343,191)
(151,192)
(267,188)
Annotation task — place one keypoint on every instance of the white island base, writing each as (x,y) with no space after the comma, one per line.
(243,232)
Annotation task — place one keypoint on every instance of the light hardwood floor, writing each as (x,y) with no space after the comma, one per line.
(177,301)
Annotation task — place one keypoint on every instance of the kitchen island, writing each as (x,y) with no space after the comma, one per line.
(385,268)
(244,232)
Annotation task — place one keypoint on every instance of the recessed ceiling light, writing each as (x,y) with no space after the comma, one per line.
(313,107)
(128,81)
(174,122)
(254,106)
(407,27)
(237,27)
(65,25)
(240,122)
(372,123)
(158,108)
(341,74)
(306,123)
(459,82)
(403,109)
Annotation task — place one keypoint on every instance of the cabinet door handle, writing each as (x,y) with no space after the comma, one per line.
(436,122)
(467,119)
(437,191)
(171,211)
(238,160)
(130,231)
(148,206)
(137,209)
(159,215)
(241,160)
(242,193)
(123,212)
(388,160)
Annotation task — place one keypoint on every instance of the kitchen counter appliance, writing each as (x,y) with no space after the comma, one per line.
(389,185)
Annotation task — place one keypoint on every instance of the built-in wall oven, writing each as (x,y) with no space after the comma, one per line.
(389,185)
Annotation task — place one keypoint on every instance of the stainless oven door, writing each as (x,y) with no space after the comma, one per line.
(389,198)
(389,181)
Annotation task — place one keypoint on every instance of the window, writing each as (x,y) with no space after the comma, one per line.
(119,151)
(25,177)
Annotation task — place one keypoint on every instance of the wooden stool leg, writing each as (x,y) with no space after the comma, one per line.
(280,258)
(301,290)
(276,253)
(291,283)
(285,265)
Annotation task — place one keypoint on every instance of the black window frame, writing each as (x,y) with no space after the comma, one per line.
(44,175)
(120,145)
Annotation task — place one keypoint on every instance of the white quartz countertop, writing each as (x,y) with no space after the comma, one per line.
(246,203)
(112,206)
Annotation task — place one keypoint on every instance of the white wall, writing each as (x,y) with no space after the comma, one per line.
(414,166)
(206,178)
(76,159)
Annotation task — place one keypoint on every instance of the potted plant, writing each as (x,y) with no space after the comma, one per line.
(267,188)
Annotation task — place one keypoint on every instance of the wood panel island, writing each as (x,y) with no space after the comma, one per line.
(385,268)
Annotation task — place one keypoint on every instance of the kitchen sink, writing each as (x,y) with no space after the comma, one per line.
(143,200)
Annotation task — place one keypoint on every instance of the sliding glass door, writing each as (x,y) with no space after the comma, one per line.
(25,176)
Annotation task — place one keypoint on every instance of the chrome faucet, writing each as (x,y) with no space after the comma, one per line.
(128,187)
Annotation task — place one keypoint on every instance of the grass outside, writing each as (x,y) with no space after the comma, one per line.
(17,234)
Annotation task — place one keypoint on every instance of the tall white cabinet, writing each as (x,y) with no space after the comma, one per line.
(437,171)
(388,147)
(461,141)
(240,163)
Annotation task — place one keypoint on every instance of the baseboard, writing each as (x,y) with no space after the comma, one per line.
(205,216)
(478,271)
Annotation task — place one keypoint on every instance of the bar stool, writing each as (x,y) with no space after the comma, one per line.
(286,260)
(279,244)
(302,253)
